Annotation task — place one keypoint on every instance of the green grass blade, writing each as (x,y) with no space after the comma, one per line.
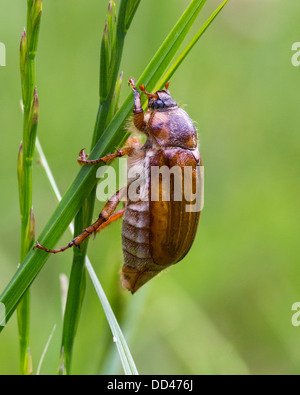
(86,178)
(38,372)
(122,347)
(27,52)
(111,54)
(171,45)
(132,314)
(118,337)
(190,46)
(130,12)
(76,293)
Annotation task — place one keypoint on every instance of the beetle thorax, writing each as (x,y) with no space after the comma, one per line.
(171,128)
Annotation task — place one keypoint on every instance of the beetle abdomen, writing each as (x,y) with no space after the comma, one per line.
(139,266)
(136,230)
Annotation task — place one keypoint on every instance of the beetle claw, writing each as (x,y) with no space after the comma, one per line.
(82,156)
(131,83)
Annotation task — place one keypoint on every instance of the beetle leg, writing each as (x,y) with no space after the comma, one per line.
(119,214)
(104,216)
(138,118)
(131,144)
(83,158)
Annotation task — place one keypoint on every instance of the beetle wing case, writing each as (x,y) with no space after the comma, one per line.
(169,229)
(172,227)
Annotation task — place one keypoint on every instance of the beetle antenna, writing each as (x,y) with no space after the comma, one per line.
(153,95)
(167,87)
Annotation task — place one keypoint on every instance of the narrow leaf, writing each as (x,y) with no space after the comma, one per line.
(45,351)
(190,46)
(131,10)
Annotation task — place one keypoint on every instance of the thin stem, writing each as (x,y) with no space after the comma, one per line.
(45,351)
(31,111)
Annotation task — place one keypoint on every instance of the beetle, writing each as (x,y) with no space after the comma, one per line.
(156,233)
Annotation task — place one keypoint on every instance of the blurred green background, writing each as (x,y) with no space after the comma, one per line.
(226,309)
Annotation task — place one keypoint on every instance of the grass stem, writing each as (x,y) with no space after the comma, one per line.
(30,100)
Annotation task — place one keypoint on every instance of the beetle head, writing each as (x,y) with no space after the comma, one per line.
(159,100)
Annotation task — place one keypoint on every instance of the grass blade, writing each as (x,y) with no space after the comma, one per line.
(76,292)
(190,46)
(28,48)
(111,54)
(122,347)
(132,314)
(45,351)
(118,337)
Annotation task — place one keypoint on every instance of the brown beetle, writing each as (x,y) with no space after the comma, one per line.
(157,232)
